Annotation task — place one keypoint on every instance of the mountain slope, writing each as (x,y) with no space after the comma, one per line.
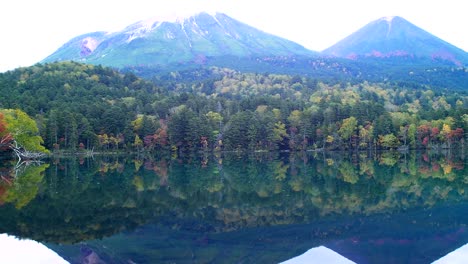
(396,37)
(161,42)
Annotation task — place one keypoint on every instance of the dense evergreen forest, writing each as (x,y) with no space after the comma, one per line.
(401,71)
(88,107)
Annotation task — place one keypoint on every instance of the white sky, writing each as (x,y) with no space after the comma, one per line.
(31,30)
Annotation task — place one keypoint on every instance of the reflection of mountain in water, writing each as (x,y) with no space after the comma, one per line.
(420,236)
(234,208)
(400,238)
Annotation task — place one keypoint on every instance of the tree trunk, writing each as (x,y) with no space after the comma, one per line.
(24,154)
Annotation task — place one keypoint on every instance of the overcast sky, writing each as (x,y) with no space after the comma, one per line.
(31,30)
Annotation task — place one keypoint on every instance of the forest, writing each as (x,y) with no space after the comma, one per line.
(79,107)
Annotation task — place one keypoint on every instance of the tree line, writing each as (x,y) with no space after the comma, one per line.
(81,107)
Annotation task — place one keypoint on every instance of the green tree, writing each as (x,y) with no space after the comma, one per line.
(383,125)
(149,125)
(235,131)
(215,121)
(24,130)
(186,129)
(348,129)
(295,125)
(389,141)
(412,135)
(26,185)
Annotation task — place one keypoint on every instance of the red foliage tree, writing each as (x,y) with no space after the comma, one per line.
(456,134)
(5,137)
(423,134)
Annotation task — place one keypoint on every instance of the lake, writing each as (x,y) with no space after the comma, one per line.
(233,208)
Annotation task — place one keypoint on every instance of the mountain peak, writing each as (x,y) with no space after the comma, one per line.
(177,39)
(394,36)
(388,18)
(152,23)
(175,17)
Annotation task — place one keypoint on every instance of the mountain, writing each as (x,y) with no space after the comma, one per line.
(396,37)
(387,50)
(174,41)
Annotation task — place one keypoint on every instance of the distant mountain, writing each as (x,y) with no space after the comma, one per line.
(396,37)
(174,41)
(387,50)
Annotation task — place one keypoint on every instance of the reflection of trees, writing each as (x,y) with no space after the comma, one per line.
(80,202)
(86,199)
(396,182)
(19,184)
(253,194)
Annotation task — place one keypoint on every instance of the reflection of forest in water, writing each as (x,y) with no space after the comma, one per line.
(72,200)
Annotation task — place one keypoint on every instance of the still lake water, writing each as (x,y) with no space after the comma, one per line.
(262,208)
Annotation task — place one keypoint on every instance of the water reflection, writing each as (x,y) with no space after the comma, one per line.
(26,251)
(319,255)
(263,208)
(459,255)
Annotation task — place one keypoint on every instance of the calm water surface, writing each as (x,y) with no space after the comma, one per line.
(262,208)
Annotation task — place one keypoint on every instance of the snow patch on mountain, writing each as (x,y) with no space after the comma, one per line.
(197,28)
(144,27)
(389,22)
(186,35)
(221,25)
(169,35)
(172,18)
(388,18)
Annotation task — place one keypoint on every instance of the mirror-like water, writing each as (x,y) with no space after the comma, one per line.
(262,208)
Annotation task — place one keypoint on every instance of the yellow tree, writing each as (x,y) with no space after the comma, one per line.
(138,143)
(216,120)
(389,141)
(365,135)
(348,129)
(445,134)
(279,131)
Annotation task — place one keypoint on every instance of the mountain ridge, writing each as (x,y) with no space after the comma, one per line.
(388,49)
(391,36)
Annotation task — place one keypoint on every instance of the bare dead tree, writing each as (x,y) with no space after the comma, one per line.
(23,154)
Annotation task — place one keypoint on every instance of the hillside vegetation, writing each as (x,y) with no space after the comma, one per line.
(78,106)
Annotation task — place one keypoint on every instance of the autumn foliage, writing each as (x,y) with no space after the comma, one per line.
(80,107)
(5,136)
